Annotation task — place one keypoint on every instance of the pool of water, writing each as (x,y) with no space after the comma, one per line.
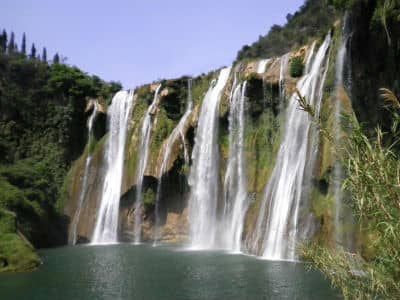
(145,272)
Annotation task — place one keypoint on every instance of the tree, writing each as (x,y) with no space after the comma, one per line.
(23,45)
(3,41)
(33,52)
(44,55)
(11,44)
(56,59)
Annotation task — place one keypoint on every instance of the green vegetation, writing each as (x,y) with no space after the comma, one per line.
(42,130)
(373,182)
(313,20)
(296,67)
(386,13)
(15,253)
(149,199)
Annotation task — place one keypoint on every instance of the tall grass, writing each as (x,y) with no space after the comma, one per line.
(373,180)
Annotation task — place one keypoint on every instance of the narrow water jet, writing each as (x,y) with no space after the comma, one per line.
(107,218)
(282,75)
(280,207)
(204,174)
(189,106)
(262,64)
(235,183)
(143,156)
(72,237)
(341,85)
(167,149)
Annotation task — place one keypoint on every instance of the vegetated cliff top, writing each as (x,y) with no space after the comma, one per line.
(313,19)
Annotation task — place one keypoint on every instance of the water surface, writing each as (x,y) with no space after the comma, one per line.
(145,272)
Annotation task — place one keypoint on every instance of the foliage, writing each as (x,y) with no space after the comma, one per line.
(149,199)
(42,130)
(312,21)
(373,180)
(342,4)
(175,101)
(386,13)
(296,67)
(304,105)
(16,254)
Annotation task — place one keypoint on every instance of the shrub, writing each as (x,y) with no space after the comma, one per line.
(149,199)
(296,67)
(373,181)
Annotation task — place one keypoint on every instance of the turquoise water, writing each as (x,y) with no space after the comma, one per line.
(144,272)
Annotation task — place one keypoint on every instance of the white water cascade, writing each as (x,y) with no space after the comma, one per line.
(338,173)
(72,238)
(280,207)
(282,74)
(107,218)
(204,174)
(262,64)
(143,155)
(235,184)
(168,147)
(189,106)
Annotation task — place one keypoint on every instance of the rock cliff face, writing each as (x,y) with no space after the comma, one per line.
(267,94)
(266,102)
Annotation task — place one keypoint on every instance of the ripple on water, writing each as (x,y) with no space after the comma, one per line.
(126,271)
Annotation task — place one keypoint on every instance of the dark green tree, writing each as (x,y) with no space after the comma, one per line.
(44,55)
(11,44)
(23,45)
(56,59)
(33,52)
(3,41)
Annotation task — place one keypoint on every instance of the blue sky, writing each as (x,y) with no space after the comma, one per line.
(137,42)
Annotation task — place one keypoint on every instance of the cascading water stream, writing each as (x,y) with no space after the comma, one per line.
(253,244)
(143,157)
(72,238)
(107,218)
(188,107)
(280,207)
(309,223)
(340,84)
(235,183)
(167,149)
(282,75)
(204,174)
(262,64)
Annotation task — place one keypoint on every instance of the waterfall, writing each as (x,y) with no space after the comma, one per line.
(280,207)
(72,238)
(167,149)
(282,74)
(107,218)
(340,85)
(254,240)
(262,64)
(309,224)
(204,174)
(143,156)
(188,107)
(235,184)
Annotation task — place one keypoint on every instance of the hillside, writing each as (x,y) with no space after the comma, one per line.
(42,130)
(313,20)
